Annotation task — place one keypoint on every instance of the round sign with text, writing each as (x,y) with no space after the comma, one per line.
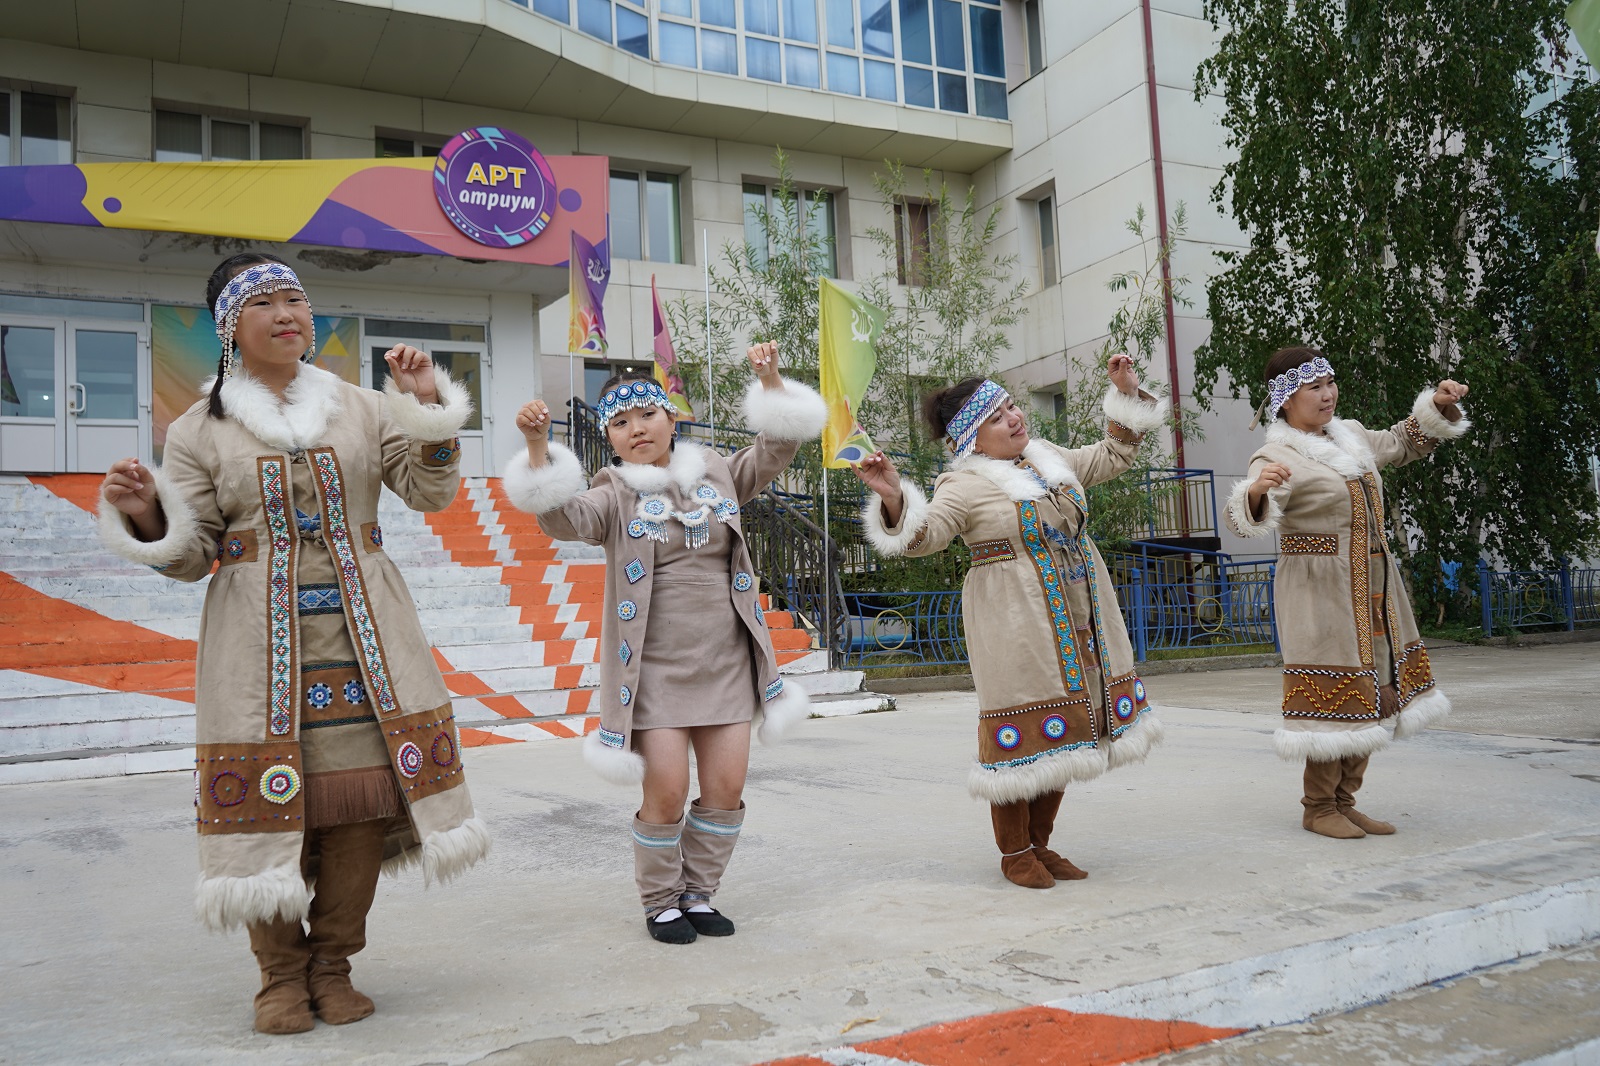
(494,186)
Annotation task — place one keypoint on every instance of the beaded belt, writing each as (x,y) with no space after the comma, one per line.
(1308,544)
(991,551)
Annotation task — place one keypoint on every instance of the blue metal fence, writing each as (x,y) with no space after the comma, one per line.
(1538,599)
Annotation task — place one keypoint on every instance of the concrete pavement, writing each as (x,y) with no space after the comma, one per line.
(866,886)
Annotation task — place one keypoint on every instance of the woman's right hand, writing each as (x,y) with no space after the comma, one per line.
(877,472)
(533,420)
(1272,476)
(130,488)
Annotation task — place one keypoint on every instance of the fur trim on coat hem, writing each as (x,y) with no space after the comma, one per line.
(617,765)
(224,903)
(117,533)
(794,412)
(449,854)
(549,487)
(781,712)
(1135,743)
(1138,413)
(1047,773)
(430,422)
(1326,745)
(1423,711)
(913,516)
(1238,511)
(1435,424)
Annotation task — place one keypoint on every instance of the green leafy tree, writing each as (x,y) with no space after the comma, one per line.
(1394,174)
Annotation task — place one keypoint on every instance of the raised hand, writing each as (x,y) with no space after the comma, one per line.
(412,371)
(130,488)
(1448,394)
(1272,476)
(533,419)
(877,472)
(1119,368)
(764,361)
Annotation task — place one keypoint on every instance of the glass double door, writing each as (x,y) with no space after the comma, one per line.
(74,395)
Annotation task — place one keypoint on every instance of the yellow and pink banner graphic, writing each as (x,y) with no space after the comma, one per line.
(848,330)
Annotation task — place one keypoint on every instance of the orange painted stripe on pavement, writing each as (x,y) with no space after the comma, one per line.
(80,489)
(477,738)
(505,706)
(1037,1035)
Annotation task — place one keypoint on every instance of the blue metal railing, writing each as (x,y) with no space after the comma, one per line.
(1538,599)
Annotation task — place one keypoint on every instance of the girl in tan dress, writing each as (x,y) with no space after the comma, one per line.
(325,744)
(685,657)
(1355,672)
(1058,698)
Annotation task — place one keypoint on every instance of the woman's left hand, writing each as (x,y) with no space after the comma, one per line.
(1448,394)
(1122,374)
(764,361)
(412,370)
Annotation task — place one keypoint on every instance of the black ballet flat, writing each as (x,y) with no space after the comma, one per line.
(710,923)
(678,931)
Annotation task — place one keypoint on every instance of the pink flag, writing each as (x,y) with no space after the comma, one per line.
(666,372)
(587,274)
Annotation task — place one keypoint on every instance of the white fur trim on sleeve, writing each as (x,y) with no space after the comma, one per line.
(117,533)
(1424,710)
(430,422)
(794,412)
(1435,424)
(1135,412)
(619,766)
(789,706)
(913,516)
(223,903)
(1238,511)
(548,487)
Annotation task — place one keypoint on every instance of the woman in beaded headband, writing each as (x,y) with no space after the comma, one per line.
(275,482)
(1356,673)
(1058,697)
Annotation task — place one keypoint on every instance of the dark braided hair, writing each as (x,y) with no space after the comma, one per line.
(941,405)
(214,285)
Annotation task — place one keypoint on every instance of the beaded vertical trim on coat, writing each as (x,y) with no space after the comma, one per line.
(280,599)
(1360,577)
(1033,543)
(355,590)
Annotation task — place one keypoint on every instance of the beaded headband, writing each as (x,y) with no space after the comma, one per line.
(1280,388)
(253,281)
(962,431)
(630,395)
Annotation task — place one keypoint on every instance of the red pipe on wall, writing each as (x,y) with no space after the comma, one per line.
(1161,222)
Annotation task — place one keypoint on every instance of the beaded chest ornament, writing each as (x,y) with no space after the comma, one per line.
(253,281)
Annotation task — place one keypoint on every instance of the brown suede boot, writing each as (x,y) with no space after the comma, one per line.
(284,1003)
(1352,769)
(1017,860)
(1321,808)
(347,879)
(1041,820)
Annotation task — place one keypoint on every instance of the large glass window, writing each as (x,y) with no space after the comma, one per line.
(916,40)
(1047,242)
(35,128)
(913,223)
(645,216)
(1033,28)
(185,137)
(27,372)
(841,23)
(816,207)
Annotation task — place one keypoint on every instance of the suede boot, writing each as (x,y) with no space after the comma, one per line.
(1041,820)
(347,879)
(709,836)
(1321,805)
(1017,859)
(658,871)
(1352,769)
(284,1003)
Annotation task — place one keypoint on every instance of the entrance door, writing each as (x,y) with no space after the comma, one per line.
(33,410)
(74,394)
(467,362)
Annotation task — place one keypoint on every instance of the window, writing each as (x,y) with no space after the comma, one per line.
(183,137)
(816,215)
(913,240)
(35,128)
(406,146)
(1047,242)
(645,221)
(1033,26)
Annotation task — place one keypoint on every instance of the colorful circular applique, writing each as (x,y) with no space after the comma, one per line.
(624,392)
(742,581)
(1055,727)
(229,789)
(443,750)
(706,492)
(236,548)
(319,695)
(280,784)
(354,692)
(1124,707)
(627,695)
(409,759)
(626,610)
(1138,690)
(655,507)
(636,528)
(1008,736)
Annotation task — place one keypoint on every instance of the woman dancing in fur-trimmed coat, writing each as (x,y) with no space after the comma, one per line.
(1058,698)
(1355,671)
(685,659)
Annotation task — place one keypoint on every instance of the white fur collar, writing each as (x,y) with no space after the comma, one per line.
(299,422)
(1344,448)
(1013,480)
(686,470)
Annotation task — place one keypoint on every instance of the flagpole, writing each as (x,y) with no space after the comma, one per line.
(827,560)
(711,377)
(572,393)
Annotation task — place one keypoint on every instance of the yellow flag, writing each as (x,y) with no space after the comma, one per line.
(848,329)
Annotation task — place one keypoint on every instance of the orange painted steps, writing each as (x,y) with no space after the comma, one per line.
(461,533)
(80,489)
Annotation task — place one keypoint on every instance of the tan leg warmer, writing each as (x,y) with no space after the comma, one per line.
(709,837)
(658,864)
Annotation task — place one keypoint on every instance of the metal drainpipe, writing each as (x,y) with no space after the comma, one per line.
(1161,222)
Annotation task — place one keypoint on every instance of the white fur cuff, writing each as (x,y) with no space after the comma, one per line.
(794,412)
(430,422)
(548,487)
(791,705)
(617,765)
(1238,511)
(1135,412)
(1435,424)
(913,516)
(449,854)
(117,533)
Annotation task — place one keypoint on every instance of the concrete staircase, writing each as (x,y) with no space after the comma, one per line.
(96,654)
